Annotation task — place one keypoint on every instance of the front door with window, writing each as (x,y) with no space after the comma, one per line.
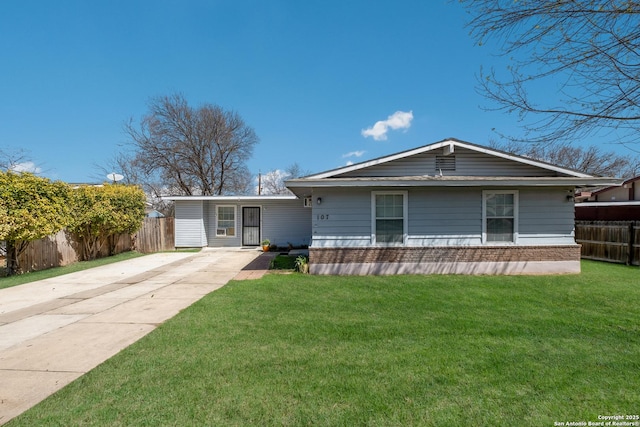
(250,226)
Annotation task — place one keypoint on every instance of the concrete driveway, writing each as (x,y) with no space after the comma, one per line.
(53,331)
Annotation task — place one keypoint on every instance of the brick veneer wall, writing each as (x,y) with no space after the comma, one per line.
(444,254)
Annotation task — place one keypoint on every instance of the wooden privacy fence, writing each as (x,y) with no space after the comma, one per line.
(613,241)
(156,234)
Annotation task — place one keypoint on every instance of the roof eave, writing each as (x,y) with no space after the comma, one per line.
(522,159)
(443,182)
(232,198)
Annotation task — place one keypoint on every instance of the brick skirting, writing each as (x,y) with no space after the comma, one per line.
(443,259)
(445,253)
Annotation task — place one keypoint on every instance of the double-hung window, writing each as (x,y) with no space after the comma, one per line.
(389,217)
(500,216)
(226,221)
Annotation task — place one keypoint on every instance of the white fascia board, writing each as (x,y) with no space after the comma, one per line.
(379,160)
(608,204)
(448,149)
(466,182)
(521,159)
(231,198)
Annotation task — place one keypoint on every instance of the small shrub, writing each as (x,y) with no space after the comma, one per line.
(302,264)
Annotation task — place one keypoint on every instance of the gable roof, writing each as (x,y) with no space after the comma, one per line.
(449,144)
(348,176)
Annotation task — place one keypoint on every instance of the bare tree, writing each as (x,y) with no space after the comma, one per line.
(273,182)
(17,159)
(121,163)
(191,151)
(591,160)
(588,49)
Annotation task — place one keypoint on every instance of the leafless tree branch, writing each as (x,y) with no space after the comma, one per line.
(588,49)
(191,151)
(592,159)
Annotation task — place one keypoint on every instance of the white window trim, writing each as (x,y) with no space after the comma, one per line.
(516,209)
(405,217)
(235,221)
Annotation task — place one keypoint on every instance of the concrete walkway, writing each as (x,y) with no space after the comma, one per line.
(55,330)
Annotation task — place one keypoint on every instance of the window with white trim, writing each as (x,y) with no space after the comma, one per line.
(389,217)
(500,216)
(226,221)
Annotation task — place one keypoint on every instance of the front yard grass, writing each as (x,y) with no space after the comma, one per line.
(377,351)
(283,262)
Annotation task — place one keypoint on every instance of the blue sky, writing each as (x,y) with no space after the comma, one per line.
(309,76)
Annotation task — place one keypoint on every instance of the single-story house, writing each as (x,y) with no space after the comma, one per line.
(447,207)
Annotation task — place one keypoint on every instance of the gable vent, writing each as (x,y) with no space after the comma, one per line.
(445,163)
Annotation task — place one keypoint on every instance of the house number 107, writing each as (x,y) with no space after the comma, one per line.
(323,216)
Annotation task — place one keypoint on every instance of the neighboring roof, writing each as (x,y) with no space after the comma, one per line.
(607,204)
(232,198)
(628,181)
(333,178)
(452,142)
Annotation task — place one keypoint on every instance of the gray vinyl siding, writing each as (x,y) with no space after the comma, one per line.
(546,216)
(189,224)
(342,219)
(468,163)
(282,222)
(442,217)
(435,217)
(286,222)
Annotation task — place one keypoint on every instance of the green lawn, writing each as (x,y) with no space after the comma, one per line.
(19,279)
(283,262)
(378,351)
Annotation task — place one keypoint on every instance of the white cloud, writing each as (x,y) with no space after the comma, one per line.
(398,120)
(354,154)
(349,163)
(26,167)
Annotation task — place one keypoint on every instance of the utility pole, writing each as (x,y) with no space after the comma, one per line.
(259,183)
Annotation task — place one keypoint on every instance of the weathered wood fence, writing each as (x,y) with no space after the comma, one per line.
(156,234)
(613,241)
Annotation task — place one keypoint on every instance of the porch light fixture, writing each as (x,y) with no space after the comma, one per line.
(319,200)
